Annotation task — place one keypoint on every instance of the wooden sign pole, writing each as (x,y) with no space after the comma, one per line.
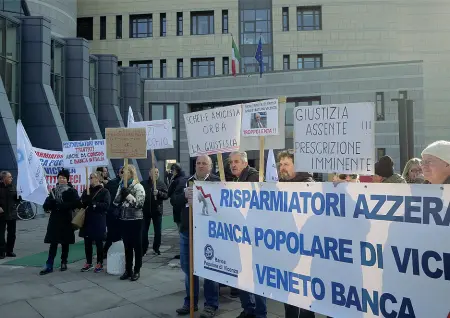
(153,169)
(221,169)
(125,172)
(261,158)
(191,258)
(87,181)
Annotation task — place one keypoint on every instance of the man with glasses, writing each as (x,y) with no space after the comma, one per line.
(8,214)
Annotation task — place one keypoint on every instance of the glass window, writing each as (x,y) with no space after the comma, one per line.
(224,21)
(290,105)
(286,63)
(179,23)
(145,68)
(309,61)
(202,67)
(161,111)
(180,68)
(251,65)
(85,28)
(163,68)
(2,36)
(381,152)
(162,24)
(403,94)
(226,65)
(118,26)
(379,105)
(11,41)
(157,112)
(309,18)
(102,28)
(93,85)
(141,26)
(202,22)
(285,18)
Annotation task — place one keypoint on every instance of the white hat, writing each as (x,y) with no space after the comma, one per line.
(439,149)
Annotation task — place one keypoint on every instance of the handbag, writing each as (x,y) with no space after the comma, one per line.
(80,215)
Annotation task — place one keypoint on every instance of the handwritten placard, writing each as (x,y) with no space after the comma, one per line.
(335,138)
(126,143)
(260,118)
(86,153)
(212,131)
(159,133)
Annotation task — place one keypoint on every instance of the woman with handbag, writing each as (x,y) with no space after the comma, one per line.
(61,203)
(130,200)
(95,205)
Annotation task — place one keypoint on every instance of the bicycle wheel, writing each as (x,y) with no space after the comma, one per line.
(25,211)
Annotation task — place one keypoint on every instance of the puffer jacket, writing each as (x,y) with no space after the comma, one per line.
(131,206)
(300,177)
(8,202)
(395,178)
(249,174)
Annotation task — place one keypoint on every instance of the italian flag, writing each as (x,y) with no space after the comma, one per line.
(235,58)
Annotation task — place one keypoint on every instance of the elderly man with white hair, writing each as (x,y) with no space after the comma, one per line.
(436,162)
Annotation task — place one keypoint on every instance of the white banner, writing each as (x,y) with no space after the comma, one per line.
(130,117)
(335,138)
(31,175)
(159,133)
(271,168)
(212,131)
(350,250)
(87,153)
(53,162)
(260,118)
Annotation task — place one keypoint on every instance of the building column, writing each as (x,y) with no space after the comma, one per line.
(8,134)
(40,114)
(185,160)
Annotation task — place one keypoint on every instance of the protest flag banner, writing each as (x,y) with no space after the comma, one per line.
(271,168)
(214,131)
(351,250)
(130,117)
(31,175)
(126,143)
(336,138)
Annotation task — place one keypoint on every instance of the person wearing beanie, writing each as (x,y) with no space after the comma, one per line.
(436,162)
(60,203)
(384,172)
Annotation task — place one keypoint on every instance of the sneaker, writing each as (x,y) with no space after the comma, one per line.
(63,267)
(185,310)
(46,270)
(208,312)
(245,315)
(98,268)
(11,254)
(87,267)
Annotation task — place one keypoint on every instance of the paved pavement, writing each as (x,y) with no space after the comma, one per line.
(25,294)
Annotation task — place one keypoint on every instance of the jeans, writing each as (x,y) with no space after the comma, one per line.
(88,250)
(8,245)
(210,287)
(132,241)
(157,224)
(253,304)
(52,253)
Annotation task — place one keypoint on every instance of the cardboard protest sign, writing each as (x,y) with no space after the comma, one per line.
(260,118)
(124,143)
(351,250)
(53,162)
(335,138)
(159,133)
(87,153)
(213,131)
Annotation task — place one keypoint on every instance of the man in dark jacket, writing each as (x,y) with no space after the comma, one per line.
(203,167)
(252,305)
(178,176)
(8,214)
(153,210)
(112,216)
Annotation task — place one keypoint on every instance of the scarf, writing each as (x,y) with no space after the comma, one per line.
(129,182)
(59,190)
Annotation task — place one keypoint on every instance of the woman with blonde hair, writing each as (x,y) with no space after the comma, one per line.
(413,171)
(130,200)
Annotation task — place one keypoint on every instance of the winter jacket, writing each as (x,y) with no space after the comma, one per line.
(131,205)
(8,202)
(181,200)
(395,178)
(249,174)
(112,187)
(59,229)
(175,185)
(96,206)
(300,177)
(154,206)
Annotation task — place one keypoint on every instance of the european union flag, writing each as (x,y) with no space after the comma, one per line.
(259,57)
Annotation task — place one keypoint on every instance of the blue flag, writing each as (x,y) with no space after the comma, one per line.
(259,57)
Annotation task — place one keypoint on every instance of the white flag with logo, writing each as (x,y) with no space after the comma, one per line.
(130,117)
(31,175)
(271,168)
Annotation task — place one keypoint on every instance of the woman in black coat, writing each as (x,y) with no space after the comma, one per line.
(61,203)
(96,205)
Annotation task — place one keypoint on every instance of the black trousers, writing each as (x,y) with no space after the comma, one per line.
(7,246)
(157,224)
(113,234)
(132,241)
(52,253)
(295,312)
(88,250)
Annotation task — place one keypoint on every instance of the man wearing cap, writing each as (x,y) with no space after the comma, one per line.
(384,172)
(436,162)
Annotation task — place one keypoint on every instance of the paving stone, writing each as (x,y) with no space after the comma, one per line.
(137,295)
(18,309)
(120,285)
(75,285)
(128,311)
(25,290)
